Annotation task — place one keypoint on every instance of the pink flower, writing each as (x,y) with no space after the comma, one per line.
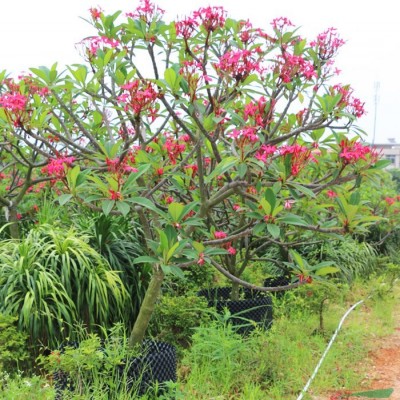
(13,101)
(114,195)
(56,166)
(353,151)
(238,64)
(211,17)
(331,194)
(327,44)
(281,23)
(95,13)
(232,250)
(288,204)
(390,200)
(147,11)
(201,260)
(220,235)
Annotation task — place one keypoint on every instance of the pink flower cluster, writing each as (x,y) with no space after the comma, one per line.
(13,101)
(147,11)
(211,18)
(194,74)
(291,65)
(94,43)
(300,156)
(265,152)
(95,13)
(228,246)
(352,151)
(327,44)
(56,166)
(138,97)
(174,147)
(354,105)
(258,111)
(281,23)
(239,64)
(245,135)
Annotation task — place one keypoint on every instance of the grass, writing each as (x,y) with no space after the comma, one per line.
(274,365)
(277,364)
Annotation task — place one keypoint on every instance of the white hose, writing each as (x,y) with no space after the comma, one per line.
(327,349)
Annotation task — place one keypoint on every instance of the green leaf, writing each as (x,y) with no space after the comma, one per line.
(226,164)
(175,210)
(242,169)
(259,228)
(274,230)
(199,247)
(266,206)
(297,258)
(145,259)
(172,269)
(327,270)
(271,198)
(146,203)
(164,245)
(301,189)
(64,198)
(381,164)
(123,207)
(172,251)
(172,79)
(107,206)
(292,219)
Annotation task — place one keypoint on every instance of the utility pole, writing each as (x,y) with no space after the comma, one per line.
(376,101)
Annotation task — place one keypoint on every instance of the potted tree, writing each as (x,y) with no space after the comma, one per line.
(228,140)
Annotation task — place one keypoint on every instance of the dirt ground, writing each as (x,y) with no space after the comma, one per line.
(384,372)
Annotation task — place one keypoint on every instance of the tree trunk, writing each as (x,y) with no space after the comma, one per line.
(235,291)
(14,228)
(147,307)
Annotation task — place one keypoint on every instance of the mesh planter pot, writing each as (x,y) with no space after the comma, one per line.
(156,365)
(253,309)
(276,281)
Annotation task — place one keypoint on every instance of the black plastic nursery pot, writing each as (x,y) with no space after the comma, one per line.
(276,281)
(254,308)
(156,365)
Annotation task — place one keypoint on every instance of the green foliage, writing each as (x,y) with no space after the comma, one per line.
(13,344)
(96,365)
(216,361)
(17,386)
(354,259)
(120,241)
(52,278)
(395,172)
(176,317)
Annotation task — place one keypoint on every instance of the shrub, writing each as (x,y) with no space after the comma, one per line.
(52,279)
(13,344)
(176,317)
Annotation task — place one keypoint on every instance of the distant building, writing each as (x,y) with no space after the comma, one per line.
(390,151)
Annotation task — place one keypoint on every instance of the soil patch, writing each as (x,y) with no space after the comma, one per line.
(384,370)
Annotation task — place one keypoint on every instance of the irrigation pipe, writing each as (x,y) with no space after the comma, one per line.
(327,349)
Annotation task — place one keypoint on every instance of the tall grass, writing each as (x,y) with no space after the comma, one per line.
(276,364)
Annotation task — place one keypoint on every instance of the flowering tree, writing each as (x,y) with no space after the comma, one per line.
(221,138)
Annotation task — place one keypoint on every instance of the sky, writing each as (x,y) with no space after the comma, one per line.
(43,32)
